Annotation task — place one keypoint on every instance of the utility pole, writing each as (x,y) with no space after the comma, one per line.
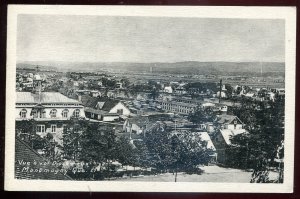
(220,90)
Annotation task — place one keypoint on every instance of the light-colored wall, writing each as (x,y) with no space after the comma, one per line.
(48,109)
(231,126)
(126,111)
(110,118)
(136,128)
(57,136)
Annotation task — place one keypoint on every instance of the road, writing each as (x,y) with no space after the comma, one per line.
(211,174)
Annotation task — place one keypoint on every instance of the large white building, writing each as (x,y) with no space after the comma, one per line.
(49,110)
(178,107)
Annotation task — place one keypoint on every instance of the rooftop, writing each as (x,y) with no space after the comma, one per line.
(27,154)
(222,119)
(228,134)
(104,103)
(46,97)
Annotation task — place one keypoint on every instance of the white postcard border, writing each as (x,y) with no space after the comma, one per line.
(286,13)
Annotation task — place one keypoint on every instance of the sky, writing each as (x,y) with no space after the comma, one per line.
(148,39)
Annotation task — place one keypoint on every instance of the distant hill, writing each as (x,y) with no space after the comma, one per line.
(187,67)
(33,65)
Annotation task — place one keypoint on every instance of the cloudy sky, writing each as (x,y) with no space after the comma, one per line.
(147,39)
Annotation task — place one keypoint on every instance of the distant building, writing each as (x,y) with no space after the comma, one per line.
(178,107)
(119,85)
(168,89)
(231,122)
(223,94)
(136,125)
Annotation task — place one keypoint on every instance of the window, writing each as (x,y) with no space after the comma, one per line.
(120,111)
(43,114)
(65,113)
(23,113)
(76,113)
(53,128)
(34,113)
(40,128)
(53,113)
(235,123)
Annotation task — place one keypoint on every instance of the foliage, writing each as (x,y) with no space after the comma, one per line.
(72,134)
(201,115)
(176,151)
(26,131)
(125,152)
(259,149)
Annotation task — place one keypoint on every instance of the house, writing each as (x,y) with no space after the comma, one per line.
(136,125)
(95,93)
(105,109)
(119,85)
(270,96)
(168,89)
(206,138)
(231,122)
(223,94)
(222,141)
(230,126)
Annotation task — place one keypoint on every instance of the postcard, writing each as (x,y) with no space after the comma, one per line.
(150,98)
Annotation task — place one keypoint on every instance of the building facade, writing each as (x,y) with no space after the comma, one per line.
(48,110)
(178,107)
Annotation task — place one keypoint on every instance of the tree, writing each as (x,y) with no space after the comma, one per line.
(258,150)
(125,151)
(189,151)
(125,82)
(154,93)
(72,135)
(25,129)
(160,148)
(141,156)
(182,151)
(201,115)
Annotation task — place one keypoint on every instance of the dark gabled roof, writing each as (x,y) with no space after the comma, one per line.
(89,101)
(107,103)
(227,119)
(25,153)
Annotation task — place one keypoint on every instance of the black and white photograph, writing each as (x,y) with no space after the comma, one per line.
(158,98)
